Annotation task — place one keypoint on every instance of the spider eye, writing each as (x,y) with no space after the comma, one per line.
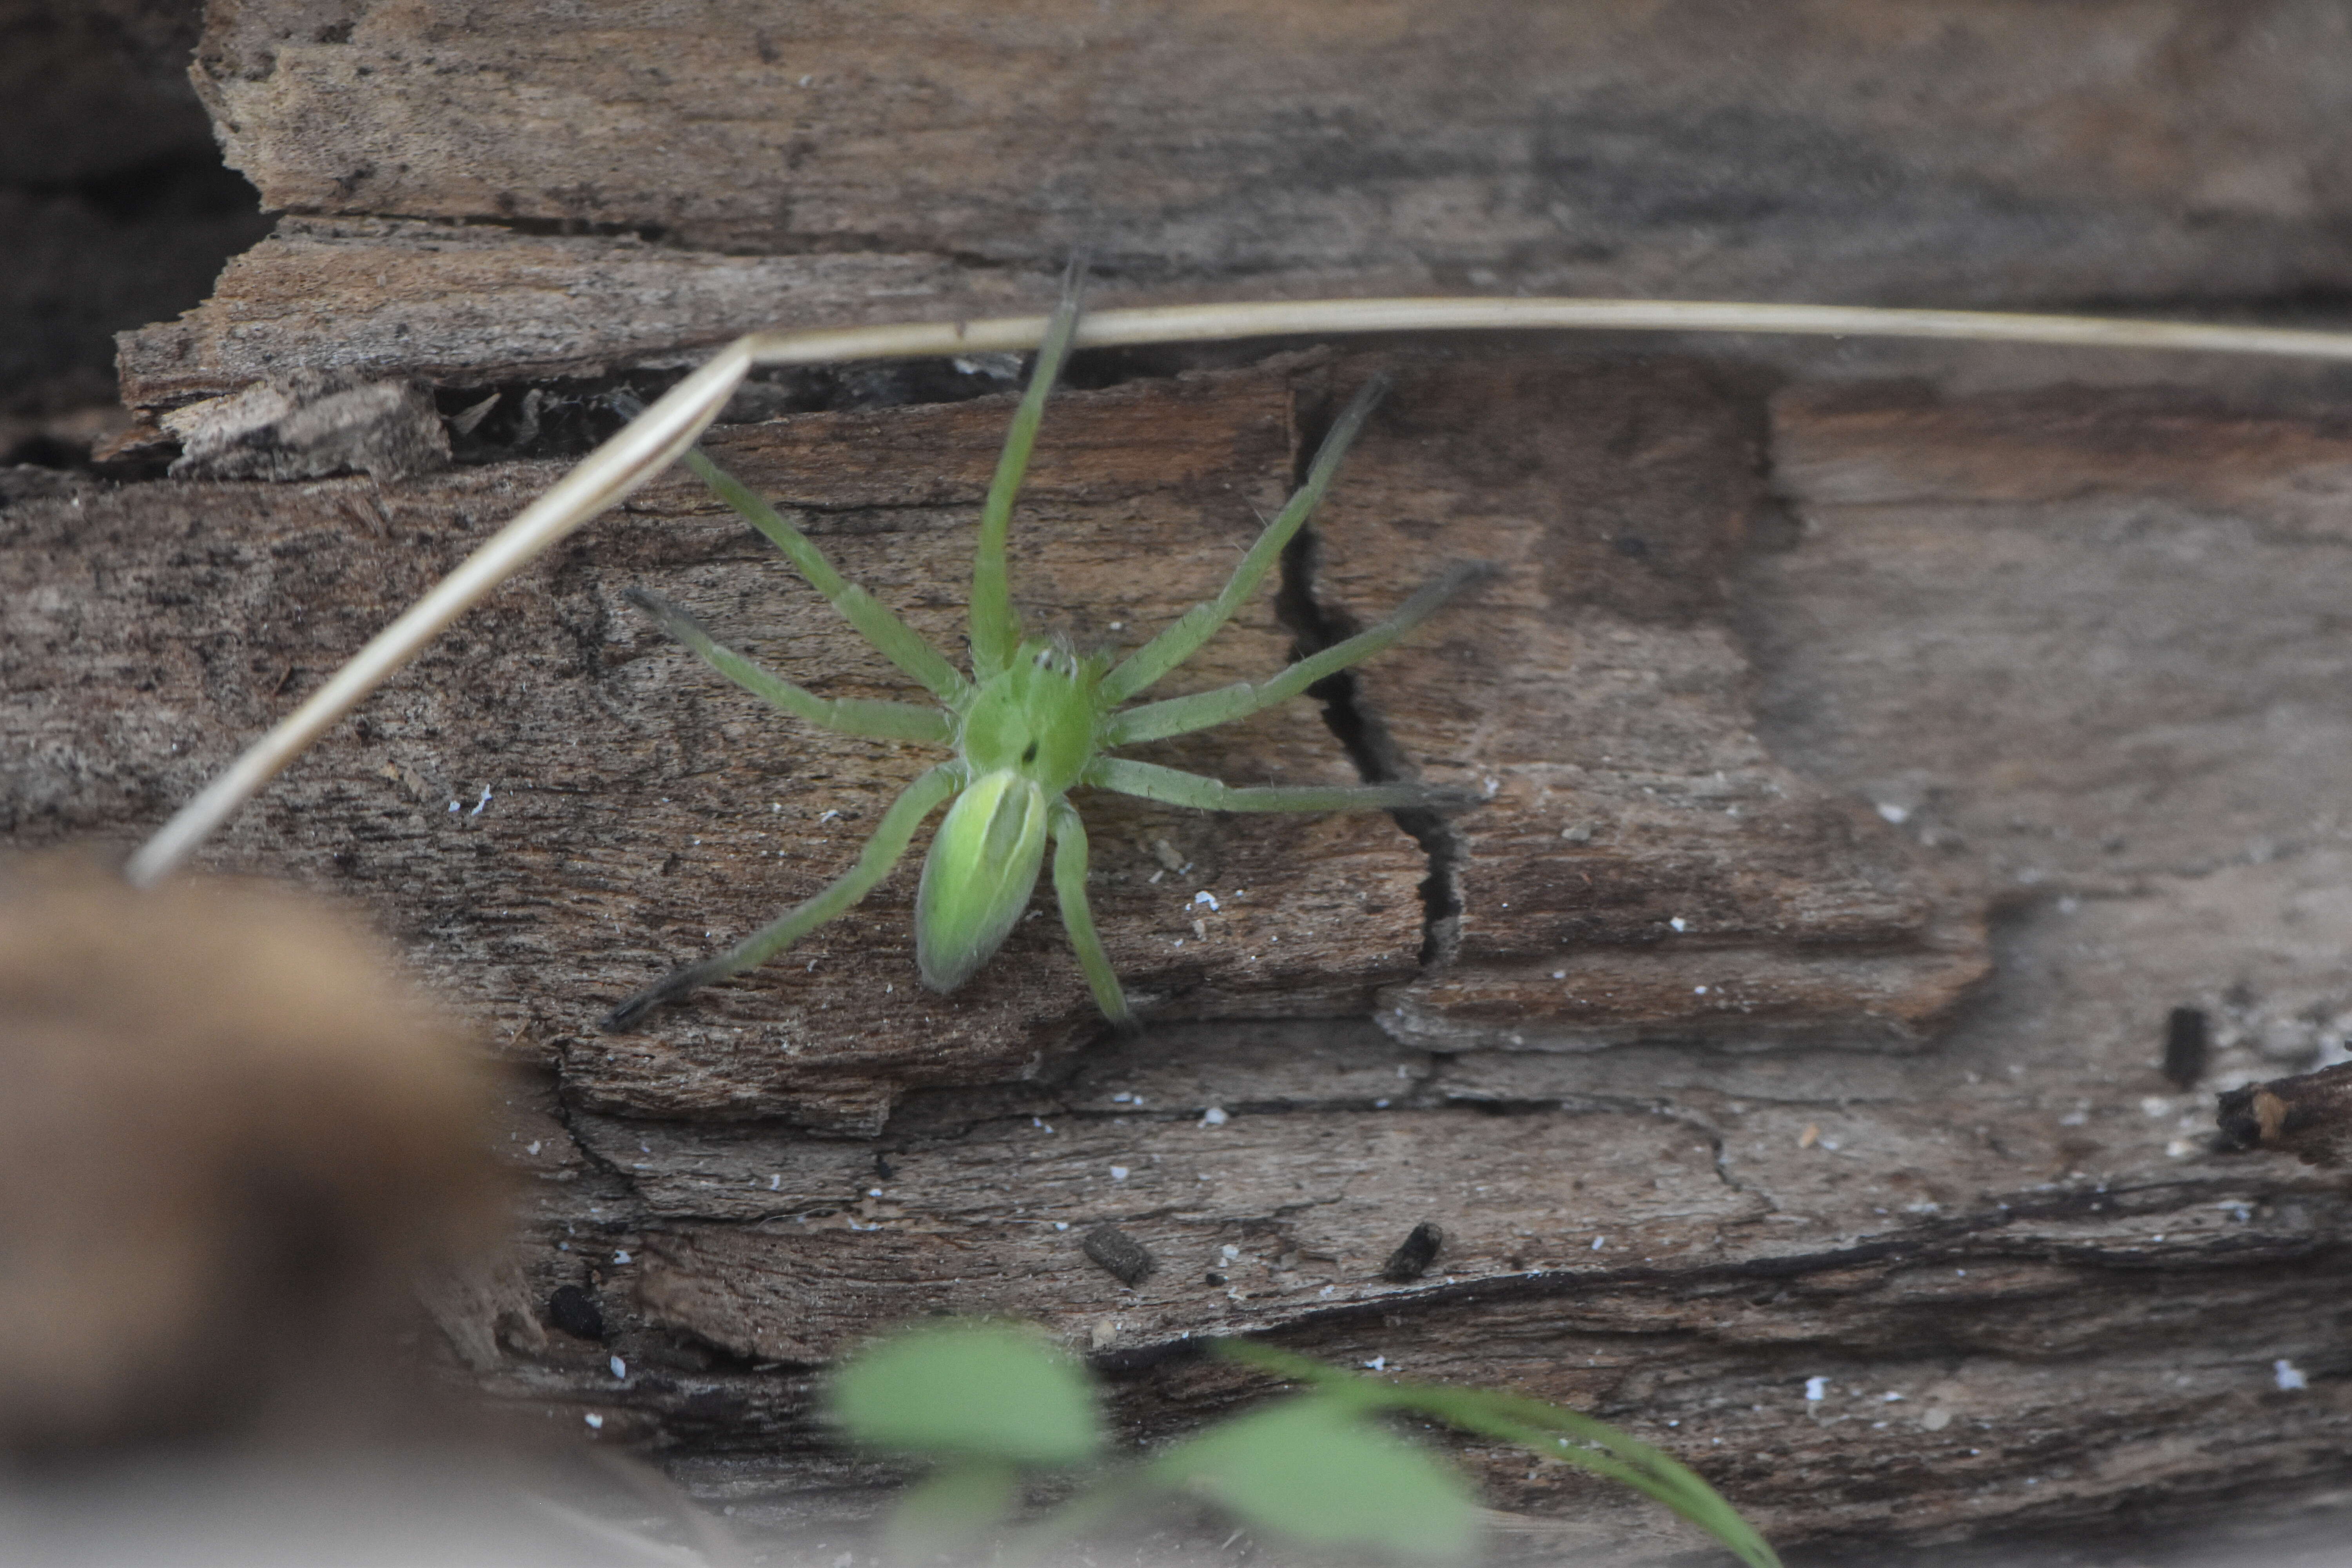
(1030,755)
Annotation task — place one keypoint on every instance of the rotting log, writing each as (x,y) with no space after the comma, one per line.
(1958,671)
(1873,768)
(572,187)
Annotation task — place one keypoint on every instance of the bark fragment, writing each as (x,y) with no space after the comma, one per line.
(308,425)
(2308,1115)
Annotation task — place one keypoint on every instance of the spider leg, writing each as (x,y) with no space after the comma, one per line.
(889,841)
(1182,639)
(1182,715)
(995,628)
(899,642)
(843,715)
(1078,915)
(1171,787)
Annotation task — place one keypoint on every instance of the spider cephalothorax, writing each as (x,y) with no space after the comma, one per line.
(1033,719)
(1028,738)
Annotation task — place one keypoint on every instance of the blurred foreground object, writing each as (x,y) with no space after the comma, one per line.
(230,1143)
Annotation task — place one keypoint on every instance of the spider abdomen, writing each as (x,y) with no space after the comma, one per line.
(978,876)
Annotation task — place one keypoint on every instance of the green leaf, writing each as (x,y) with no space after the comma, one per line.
(1310,1469)
(1549,1431)
(988,1390)
(947,1514)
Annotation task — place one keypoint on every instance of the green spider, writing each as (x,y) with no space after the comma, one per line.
(1033,719)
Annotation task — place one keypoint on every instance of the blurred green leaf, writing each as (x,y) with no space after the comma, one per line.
(947,1513)
(988,1390)
(1311,1470)
(1550,1431)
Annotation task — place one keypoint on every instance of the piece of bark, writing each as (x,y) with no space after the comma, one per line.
(573,1311)
(1414,1253)
(2188,1046)
(310,425)
(1642,866)
(473,306)
(2021,1232)
(823,168)
(2188,149)
(1119,1255)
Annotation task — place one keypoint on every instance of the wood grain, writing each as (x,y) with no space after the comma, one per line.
(1320,136)
(1873,769)
(2064,670)
(483,195)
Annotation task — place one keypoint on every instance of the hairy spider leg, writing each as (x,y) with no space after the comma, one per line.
(1172,787)
(995,626)
(875,621)
(1183,715)
(862,717)
(1078,916)
(1182,637)
(888,842)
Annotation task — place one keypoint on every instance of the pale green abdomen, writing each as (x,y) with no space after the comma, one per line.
(978,876)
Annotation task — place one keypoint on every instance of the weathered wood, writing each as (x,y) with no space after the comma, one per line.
(1660,876)
(2030,707)
(2020,1231)
(476,305)
(1795,922)
(809,164)
(1182,138)
(614,765)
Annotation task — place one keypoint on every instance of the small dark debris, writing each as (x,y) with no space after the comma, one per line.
(2186,1045)
(1413,1258)
(882,1169)
(575,1313)
(1213,1277)
(1122,1256)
